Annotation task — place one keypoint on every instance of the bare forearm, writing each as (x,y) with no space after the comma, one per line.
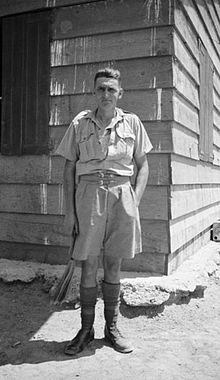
(69,187)
(141,180)
(70,221)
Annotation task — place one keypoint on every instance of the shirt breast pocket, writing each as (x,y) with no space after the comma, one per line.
(90,148)
(87,148)
(125,144)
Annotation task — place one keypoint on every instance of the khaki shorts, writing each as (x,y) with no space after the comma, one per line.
(108,218)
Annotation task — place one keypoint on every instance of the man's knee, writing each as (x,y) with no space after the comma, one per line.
(89,272)
(112,268)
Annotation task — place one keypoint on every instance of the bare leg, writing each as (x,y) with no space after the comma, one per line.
(112,269)
(89,272)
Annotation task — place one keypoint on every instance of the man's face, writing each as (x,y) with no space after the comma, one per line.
(107,91)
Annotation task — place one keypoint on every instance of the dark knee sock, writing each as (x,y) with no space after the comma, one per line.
(111,297)
(88,298)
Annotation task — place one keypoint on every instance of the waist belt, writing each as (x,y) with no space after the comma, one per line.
(104,178)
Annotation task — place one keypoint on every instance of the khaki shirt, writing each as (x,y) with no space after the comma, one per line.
(125,140)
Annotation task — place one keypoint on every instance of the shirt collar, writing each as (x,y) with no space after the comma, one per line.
(119,115)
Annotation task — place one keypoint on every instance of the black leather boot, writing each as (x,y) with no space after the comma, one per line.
(85,335)
(111,297)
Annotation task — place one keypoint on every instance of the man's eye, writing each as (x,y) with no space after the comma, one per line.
(102,89)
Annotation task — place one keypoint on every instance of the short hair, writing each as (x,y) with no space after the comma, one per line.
(108,72)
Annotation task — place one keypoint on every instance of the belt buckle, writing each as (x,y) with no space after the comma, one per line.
(101,174)
(106,178)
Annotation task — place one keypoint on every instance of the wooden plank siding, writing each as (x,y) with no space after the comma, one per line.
(184,56)
(197,13)
(186,44)
(107,16)
(32,199)
(195,189)
(34,252)
(32,228)
(48,199)
(186,199)
(185,85)
(112,46)
(189,141)
(185,113)
(193,171)
(10,7)
(202,27)
(185,229)
(144,12)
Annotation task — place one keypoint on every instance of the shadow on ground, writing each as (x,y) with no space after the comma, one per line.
(24,309)
(41,351)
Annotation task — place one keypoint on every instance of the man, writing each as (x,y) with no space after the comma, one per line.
(102,207)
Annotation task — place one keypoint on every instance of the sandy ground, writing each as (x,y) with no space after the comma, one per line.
(175,342)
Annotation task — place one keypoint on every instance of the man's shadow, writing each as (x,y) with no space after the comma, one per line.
(40,351)
(24,309)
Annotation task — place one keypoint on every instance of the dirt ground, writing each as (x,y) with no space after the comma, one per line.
(175,342)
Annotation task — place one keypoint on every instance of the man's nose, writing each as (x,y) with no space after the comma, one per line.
(106,92)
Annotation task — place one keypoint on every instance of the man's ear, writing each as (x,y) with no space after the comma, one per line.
(121,92)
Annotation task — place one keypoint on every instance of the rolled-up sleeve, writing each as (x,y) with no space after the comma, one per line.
(142,142)
(68,147)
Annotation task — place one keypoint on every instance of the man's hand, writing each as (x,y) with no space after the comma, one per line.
(70,225)
(137,199)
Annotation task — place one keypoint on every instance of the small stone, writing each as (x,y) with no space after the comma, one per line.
(16,344)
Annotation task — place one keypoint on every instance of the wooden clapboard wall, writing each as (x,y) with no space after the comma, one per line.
(195,190)
(136,37)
